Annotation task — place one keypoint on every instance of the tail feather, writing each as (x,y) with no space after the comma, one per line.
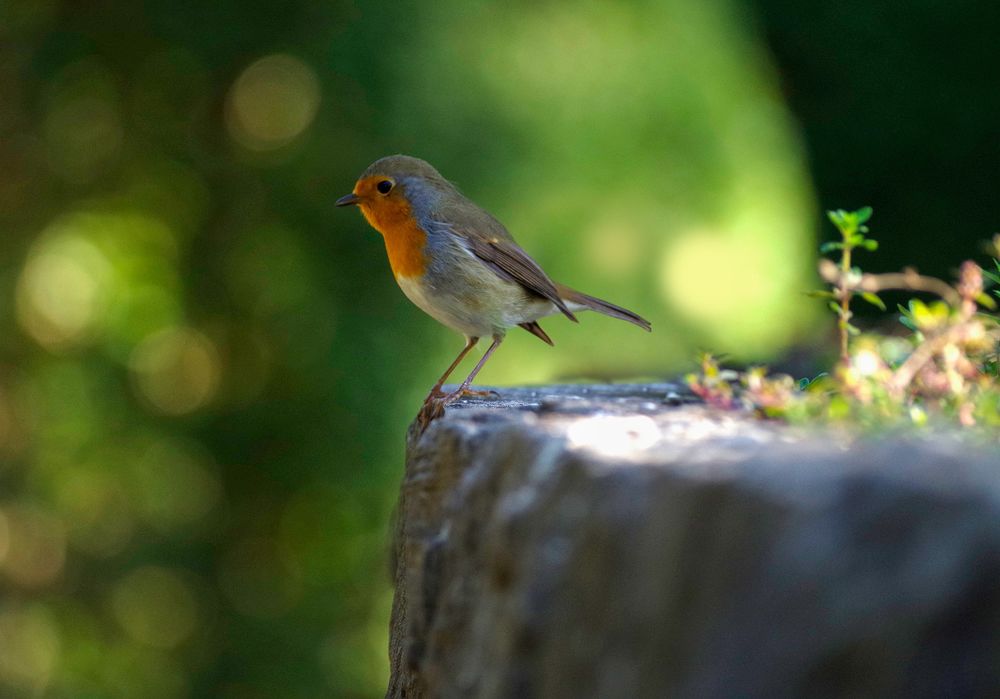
(602,306)
(535,329)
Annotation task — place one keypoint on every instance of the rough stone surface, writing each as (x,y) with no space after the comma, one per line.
(605,542)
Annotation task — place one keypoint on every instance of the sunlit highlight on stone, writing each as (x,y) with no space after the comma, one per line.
(614,435)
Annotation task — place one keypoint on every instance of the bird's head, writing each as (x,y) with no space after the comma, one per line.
(395,189)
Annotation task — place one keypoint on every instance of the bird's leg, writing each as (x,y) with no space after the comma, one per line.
(436,392)
(464,388)
(433,407)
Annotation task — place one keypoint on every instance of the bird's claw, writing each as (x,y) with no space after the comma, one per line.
(478,394)
(430,411)
(437,394)
(437,400)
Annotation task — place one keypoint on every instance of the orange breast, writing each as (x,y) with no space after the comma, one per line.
(404,239)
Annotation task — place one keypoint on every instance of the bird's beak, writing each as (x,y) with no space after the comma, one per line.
(348,200)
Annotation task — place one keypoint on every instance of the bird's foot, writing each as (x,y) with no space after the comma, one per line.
(437,400)
(437,394)
(462,392)
(429,412)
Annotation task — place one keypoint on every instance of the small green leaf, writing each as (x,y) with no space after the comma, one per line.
(870,244)
(834,307)
(941,310)
(820,294)
(844,221)
(816,383)
(839,408)
(873,299)
(853,329)
(926,316)
(831,245)
(864,213)
(985,300)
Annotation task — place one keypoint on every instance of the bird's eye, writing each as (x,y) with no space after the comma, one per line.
(384,187)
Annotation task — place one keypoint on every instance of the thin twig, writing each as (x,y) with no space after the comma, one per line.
(907,280)
(926,351)
(844,291)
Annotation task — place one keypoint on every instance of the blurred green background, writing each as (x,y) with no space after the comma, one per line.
(206,370)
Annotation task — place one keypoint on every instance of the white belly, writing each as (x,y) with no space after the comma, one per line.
(444,309)
(477,314)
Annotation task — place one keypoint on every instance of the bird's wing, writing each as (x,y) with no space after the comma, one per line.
(487,239)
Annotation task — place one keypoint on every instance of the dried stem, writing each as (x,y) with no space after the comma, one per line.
(844,292)
(907,280)
(927,350)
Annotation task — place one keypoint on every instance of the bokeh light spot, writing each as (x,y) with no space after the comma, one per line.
(83,136)
(4,536)
(174,485)
(6,424)
(272,102)
(96,509)
(131,671)
(258,580)
(26,15)
(29,640)
(715,278)
(613,246)
(98,275)
(176,370)
(61,290)
(83,126)
(36,551)
(155,606)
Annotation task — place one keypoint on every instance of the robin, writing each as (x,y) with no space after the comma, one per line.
(459,264)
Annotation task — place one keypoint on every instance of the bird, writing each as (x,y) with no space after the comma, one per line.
(460,265)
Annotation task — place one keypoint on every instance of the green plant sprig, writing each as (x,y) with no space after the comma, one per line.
(852,228)
(948,365)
